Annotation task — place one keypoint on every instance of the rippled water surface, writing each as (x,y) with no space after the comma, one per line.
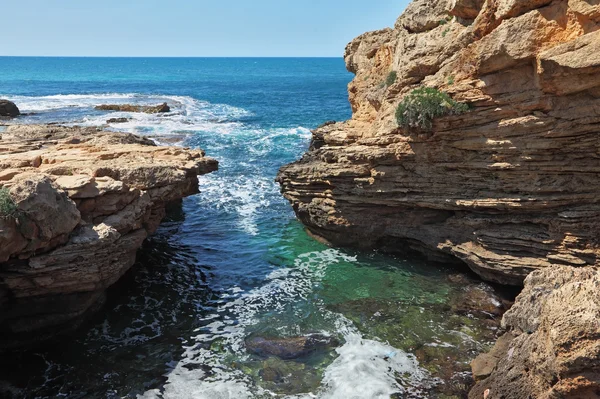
(233,264)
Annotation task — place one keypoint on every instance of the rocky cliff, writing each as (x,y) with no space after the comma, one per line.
(75,206)
(509,187)
(552,345)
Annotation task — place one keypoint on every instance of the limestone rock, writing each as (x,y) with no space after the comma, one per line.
(423,15)
(508,187)
(555,352)
(466,9)
(8,109)
(46,215)
(148,109)
(85,200)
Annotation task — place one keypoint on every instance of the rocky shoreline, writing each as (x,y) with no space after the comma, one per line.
(76,205)
(506,186)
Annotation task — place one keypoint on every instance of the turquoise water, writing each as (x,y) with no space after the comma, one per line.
(234,263)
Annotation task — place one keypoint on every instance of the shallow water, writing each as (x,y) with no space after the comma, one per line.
(234,263)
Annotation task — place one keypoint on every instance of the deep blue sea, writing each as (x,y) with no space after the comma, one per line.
(234,264)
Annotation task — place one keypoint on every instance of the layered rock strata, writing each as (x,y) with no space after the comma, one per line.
(507,188)
(77,204)
(552,345)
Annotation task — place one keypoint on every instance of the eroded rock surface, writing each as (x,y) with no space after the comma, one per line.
(510,186)
(85,201)
(552,347)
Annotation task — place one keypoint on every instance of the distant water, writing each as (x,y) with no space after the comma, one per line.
(234,262)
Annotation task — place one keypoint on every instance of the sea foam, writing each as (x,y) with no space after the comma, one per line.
(364,368)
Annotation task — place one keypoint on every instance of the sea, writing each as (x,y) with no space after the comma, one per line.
(233,264)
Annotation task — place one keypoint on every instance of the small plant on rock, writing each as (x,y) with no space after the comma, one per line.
(8,208)
(391,78)
(423,105)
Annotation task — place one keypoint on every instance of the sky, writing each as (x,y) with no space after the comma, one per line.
(201,28)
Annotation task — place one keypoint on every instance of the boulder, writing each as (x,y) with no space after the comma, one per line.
(8,109)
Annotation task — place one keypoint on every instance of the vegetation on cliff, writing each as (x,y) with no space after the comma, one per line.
(423,105)
(8,208)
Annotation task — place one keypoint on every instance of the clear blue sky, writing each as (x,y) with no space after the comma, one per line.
(190,27)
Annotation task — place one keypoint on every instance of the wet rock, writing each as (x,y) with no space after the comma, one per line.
(484,364)
(8,109)
(170,139)
(118,120)
(148,109)
(478,299)
(288,377)
(552,348)
(289,348)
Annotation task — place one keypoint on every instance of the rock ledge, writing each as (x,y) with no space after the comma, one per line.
(85,201)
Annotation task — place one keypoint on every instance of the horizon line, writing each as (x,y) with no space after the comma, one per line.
(165,56)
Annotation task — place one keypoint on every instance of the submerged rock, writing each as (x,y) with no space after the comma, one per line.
(8,109)
(552,347)
(478,299)
(148,109)
(289,348)
(118,120)
(508,187)
(84,201)
(288,377)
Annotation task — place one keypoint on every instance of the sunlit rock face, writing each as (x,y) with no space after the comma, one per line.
(551,349)
(76,205)
(508,187)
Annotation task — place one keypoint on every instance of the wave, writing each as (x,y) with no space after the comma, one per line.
(224,131)
(187,114)
(363,367)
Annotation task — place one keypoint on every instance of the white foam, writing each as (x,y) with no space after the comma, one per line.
(368,369)
(186,113)
(220,126)
(364,368)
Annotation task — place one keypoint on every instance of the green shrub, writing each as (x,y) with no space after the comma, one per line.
(8,208)
(450,80)
(423,105)
(391,78)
